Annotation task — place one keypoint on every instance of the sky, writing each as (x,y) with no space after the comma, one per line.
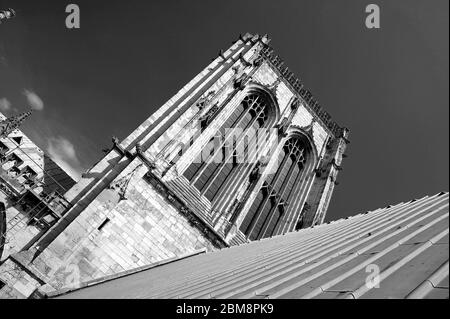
(389,86)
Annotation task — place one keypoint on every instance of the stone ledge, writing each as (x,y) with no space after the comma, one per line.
(48,292)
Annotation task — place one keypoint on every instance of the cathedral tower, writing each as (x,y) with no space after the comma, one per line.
(243,152)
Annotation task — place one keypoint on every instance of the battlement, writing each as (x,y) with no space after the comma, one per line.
(311,102)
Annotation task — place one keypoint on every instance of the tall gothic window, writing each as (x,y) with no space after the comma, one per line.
(278,192)
(229,150)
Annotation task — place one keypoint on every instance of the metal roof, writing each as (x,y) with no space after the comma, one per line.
(407,243)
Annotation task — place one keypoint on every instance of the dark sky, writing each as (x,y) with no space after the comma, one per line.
(388,86)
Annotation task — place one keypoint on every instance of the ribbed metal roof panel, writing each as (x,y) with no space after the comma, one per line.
(407,243)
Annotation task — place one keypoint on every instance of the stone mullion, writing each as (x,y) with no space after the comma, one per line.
(233,172)
(219,149)
(263,204)
(241,138)
(273,182)
(261,146)
(300,182)
(169,154)
(256,215)
(222,88)
(286,200)
(312,179)
(292,202)
(248,198)
(207,161)
(309,183)
(234,94)
(235,183)
(269,218)
(296,206)
(195,150)
(296,184)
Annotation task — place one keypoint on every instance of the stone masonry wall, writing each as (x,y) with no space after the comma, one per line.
(137,231)
(18,232)
(15,282)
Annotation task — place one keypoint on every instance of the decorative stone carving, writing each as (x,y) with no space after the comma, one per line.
(282,127)
(244,61)
(204,100)
(239,84)
(258,61)
(170,198)
(255,173)
(318,171)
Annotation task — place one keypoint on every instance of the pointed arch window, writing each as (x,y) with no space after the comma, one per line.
(228,151)
(279,191)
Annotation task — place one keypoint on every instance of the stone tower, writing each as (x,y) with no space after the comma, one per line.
(242,152)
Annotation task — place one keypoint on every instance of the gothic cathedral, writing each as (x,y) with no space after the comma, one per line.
(241,153)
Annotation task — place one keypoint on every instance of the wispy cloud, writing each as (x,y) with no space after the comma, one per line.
(34,100)
(62,151)
(5,104)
